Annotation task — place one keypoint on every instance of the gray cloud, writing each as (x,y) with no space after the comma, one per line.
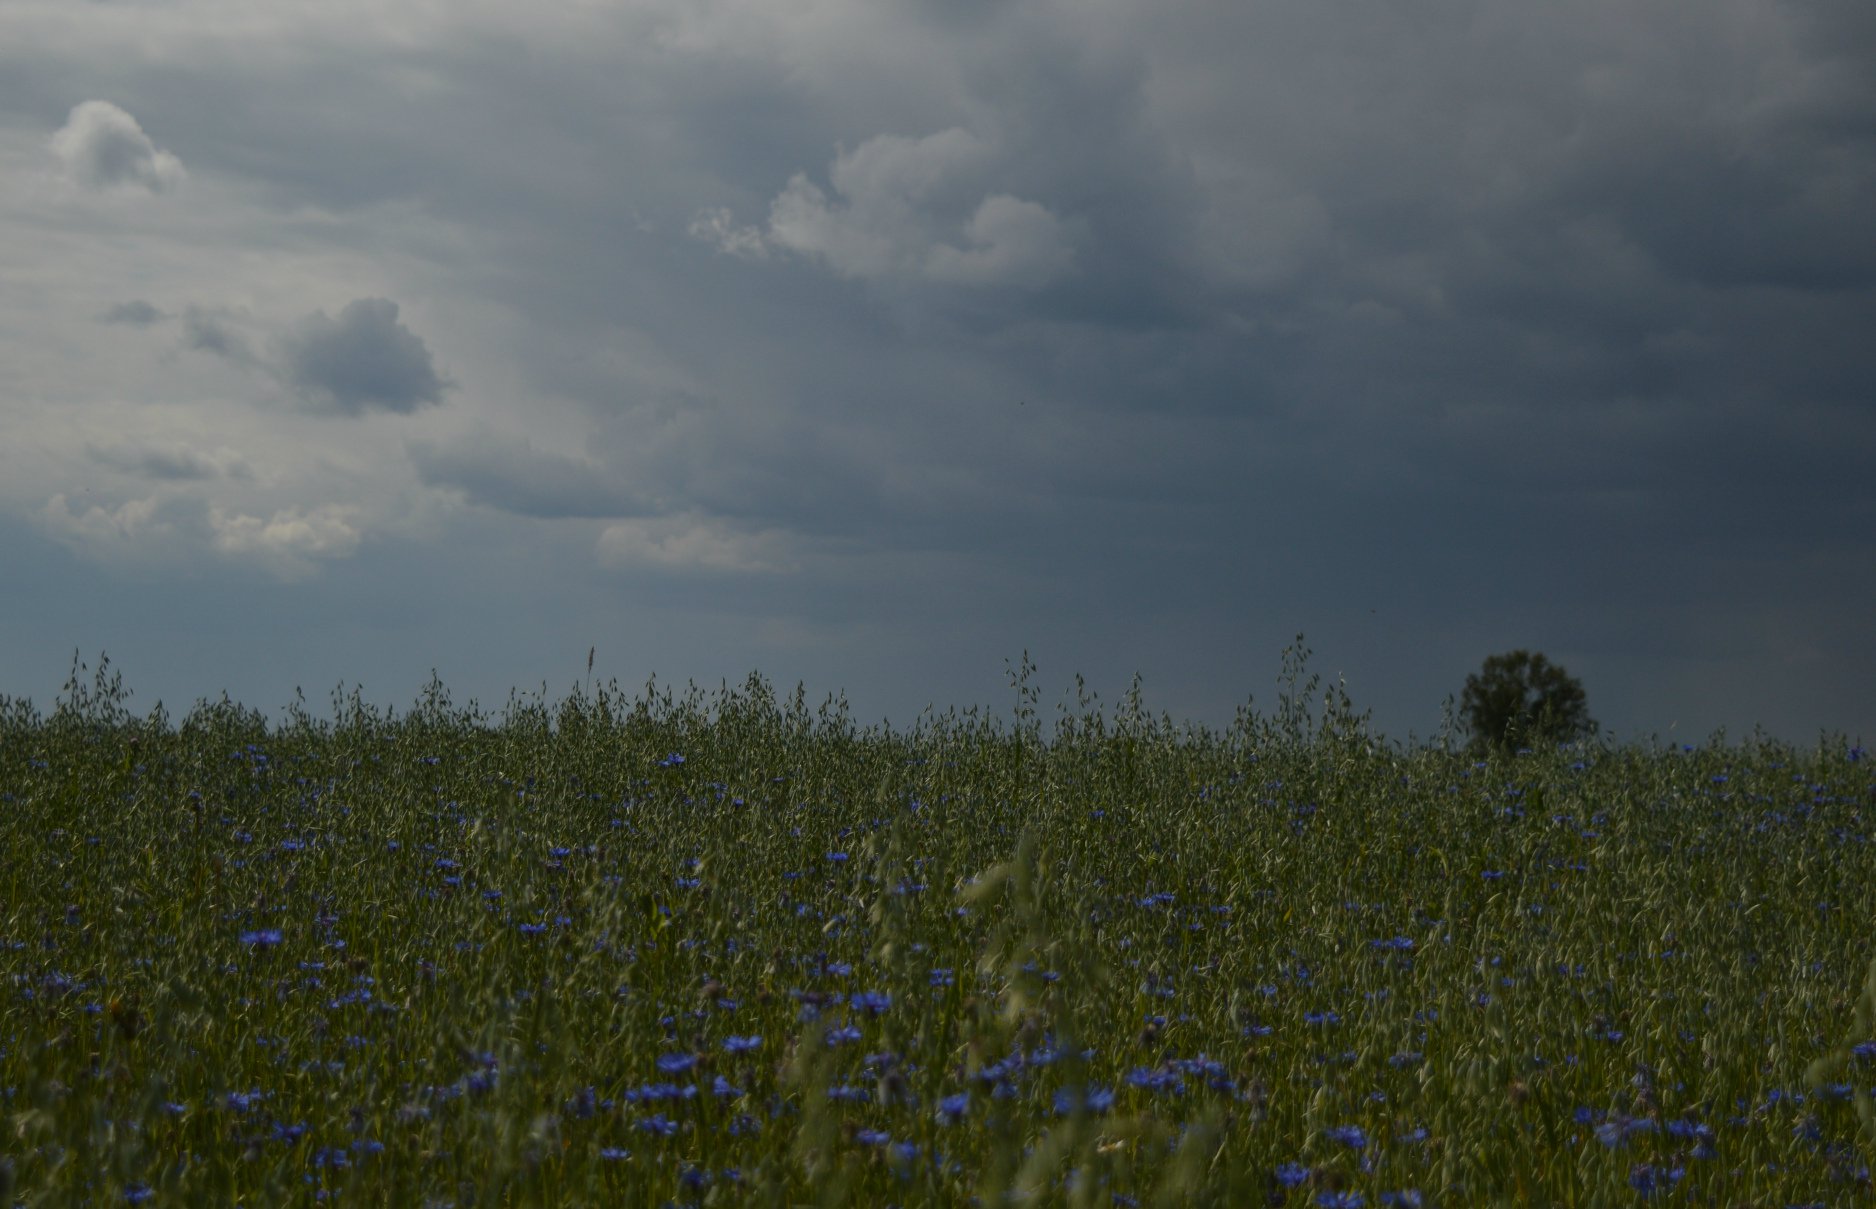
(513,476)
(905,209)
(204,331)
(101,146)
(136,313)
(171,462)
(1518,325)
(365,360)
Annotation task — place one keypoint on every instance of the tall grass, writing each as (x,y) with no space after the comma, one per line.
(734,948)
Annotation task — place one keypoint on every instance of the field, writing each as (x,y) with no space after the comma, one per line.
(733,948)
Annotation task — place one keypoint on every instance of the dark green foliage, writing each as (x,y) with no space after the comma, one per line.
(1520,698)
(734,950)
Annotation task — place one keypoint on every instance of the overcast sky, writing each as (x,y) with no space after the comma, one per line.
(869,343)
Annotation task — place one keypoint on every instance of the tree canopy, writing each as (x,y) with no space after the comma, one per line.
(1520,698)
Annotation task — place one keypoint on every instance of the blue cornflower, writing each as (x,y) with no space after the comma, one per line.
(265,938)
(742,1045)
(1348,1135)
(676,1064)
(1291,1175)
(942,977)
(1156,1080)
(873,1002)
(136,1194)
(1340,1200)
(671,761)
(872,1137)
(659,1124)
(1094,1099)
(1406,1198)
(951,1108)
(1616,1130)
(1648,1179)
(614,1153)
(843,1034)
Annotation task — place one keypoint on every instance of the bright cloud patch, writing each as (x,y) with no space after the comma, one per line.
(101,147)
(691,544)
(131,526)
(905,207)
(1010,241)
(289,542)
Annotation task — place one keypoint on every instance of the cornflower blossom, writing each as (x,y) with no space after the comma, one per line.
(951,1109)
(1348,1135)
(265,938)
(742,1045)
(1618,1129)
(676,1064)
(1647,1179)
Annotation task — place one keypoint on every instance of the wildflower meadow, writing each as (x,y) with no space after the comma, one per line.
(645,948)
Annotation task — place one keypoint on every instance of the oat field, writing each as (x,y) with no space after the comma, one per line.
(730,948)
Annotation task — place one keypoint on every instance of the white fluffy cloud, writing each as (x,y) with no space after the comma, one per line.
(290,542)
(131,528)
(907,208)
(101,147)
(690,543)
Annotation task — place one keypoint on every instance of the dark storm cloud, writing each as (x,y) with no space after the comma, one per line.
(136,313)
(365,360)
(513,476)
(1533,322)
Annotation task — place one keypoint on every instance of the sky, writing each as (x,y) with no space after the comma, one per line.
(869,344)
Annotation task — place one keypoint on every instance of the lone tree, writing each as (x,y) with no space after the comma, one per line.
(1522,698)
